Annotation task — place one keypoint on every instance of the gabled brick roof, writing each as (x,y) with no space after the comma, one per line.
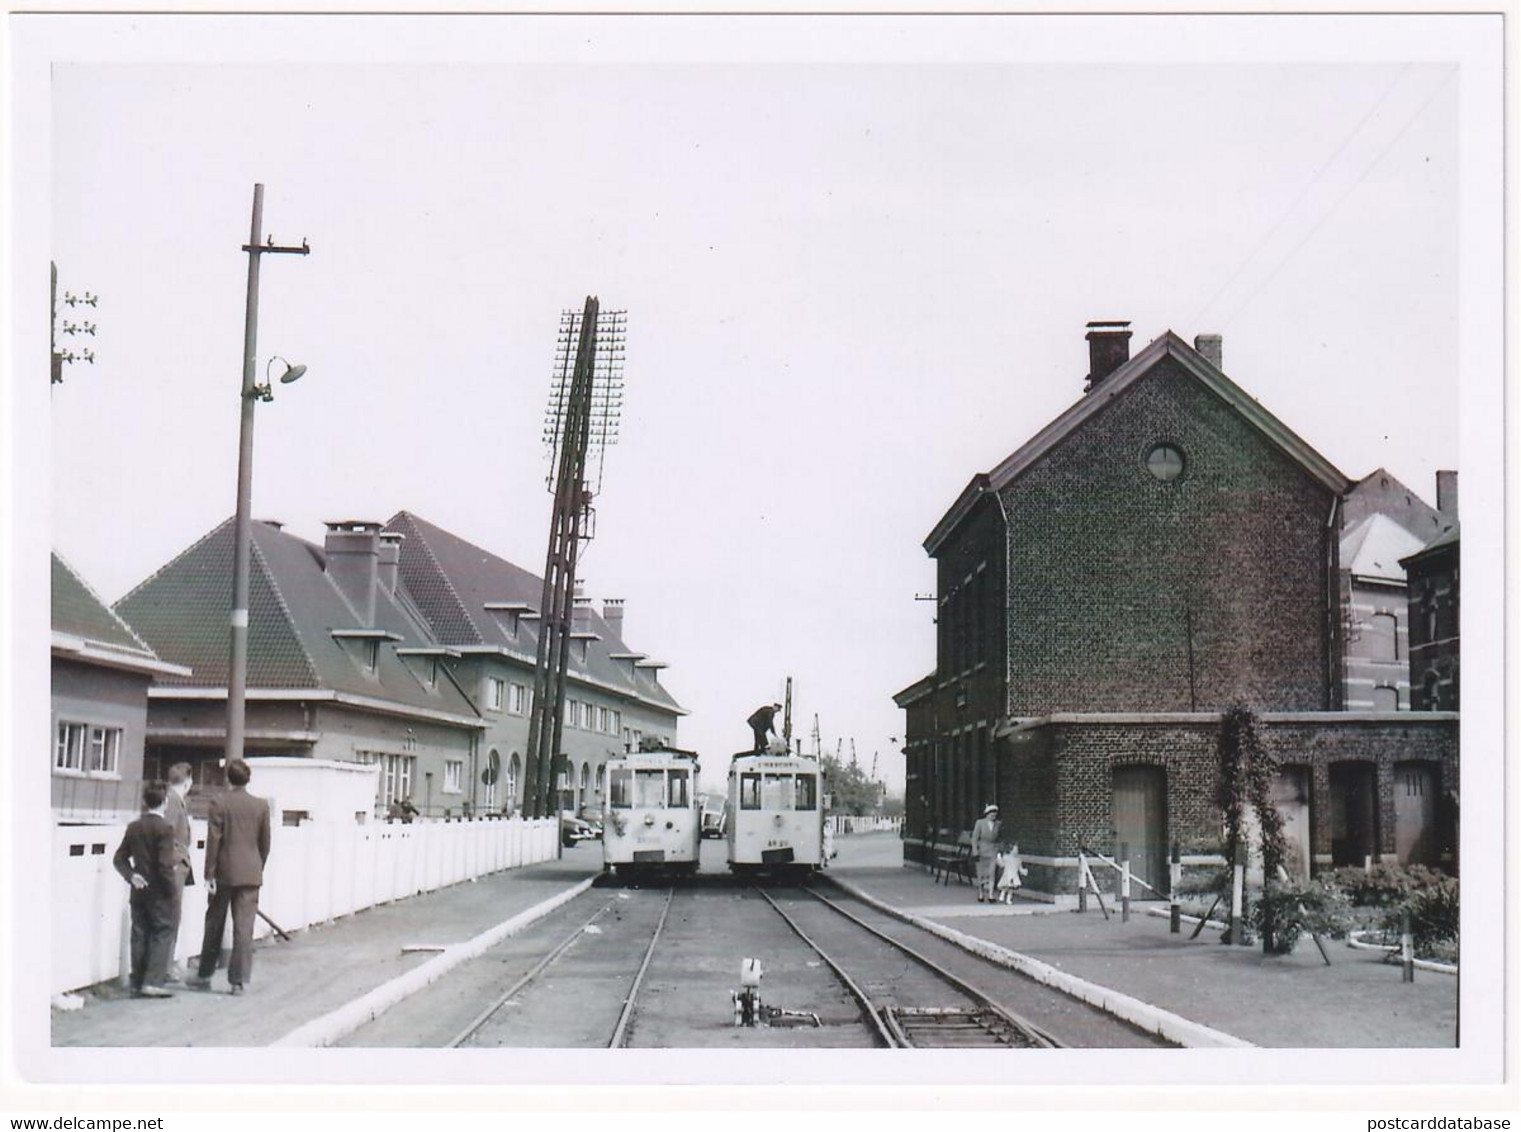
(294,607)
(450,580)
(77,611)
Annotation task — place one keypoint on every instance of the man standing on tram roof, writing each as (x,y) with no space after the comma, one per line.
(762,722)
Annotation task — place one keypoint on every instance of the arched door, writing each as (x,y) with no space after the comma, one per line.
(1415,818)
(1291,798)
(1354,813)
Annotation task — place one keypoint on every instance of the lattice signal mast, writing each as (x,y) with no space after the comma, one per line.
(581,421)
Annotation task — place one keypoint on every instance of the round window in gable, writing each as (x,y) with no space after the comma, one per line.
(1165,462)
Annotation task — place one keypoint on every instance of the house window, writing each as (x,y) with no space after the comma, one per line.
(517,701)
(570,713)
(396,772)
(628,739)
(69,752)
(86,749)
(454,774)
(1386,698)
(493,693)
(1383,634)
(616,724)
(1165,462)
(602,720)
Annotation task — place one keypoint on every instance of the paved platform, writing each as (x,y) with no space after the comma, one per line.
(1289,1001)
(321,969)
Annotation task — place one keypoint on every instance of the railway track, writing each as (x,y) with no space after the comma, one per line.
(954,1014)
(620,1032)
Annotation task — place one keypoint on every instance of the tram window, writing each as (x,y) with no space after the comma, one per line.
(649,789)
(680,795)
(620,789)
(749,792)
(776,792)
(807,792)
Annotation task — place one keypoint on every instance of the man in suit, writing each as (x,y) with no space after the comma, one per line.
(237,845)
(762,723)
(178,816)
(146,861)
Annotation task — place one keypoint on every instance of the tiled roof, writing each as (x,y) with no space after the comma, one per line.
(1450,536)
(451,581)
(1373,548)
(78,612)
(294,607)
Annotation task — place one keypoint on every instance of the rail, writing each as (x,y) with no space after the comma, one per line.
(620,1034)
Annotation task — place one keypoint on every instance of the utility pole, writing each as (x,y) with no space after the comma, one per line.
(582,416)
(787,718)
(817,750)
(57,358)
(252,393)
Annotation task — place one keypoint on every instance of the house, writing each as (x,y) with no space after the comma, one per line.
(1432,579)
(340,664)
(1164,550)
(1382,522)
(101,673)
(483,610)
(399,644)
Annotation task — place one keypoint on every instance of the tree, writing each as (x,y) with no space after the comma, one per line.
(852,792)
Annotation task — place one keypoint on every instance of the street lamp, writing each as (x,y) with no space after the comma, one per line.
(237,667)
(292,373)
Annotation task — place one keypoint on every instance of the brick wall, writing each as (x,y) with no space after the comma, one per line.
(1107,566)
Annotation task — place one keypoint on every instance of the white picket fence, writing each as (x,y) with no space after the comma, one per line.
(846,823)
(315,874)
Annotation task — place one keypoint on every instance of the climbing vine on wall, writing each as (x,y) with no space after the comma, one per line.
(1245,786)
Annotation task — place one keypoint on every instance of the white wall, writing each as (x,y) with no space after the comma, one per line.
(315,873)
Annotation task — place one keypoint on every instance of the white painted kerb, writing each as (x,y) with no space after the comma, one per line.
(1153,1019)
(336,1024)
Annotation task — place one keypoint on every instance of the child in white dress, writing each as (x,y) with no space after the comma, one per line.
(1011,869)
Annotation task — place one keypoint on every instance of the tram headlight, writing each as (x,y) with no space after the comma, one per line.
(649,819)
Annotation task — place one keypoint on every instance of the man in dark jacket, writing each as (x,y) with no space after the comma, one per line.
(146,860)
(237,845)
(762,722)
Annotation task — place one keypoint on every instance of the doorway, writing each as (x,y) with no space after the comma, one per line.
(1415,817)
(1354,813)
(1291,798)
(1140,824)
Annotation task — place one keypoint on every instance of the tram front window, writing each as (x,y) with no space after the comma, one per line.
(749,792)
(620,789)
(649,789)
(680,789)
(807,792)
(776,792)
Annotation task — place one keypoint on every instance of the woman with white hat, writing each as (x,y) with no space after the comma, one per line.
(985,851)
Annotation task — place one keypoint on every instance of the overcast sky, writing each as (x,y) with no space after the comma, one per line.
(850,287)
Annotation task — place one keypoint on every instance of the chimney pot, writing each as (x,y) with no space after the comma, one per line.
(1212,347)
(388,563)
(1108,349)
(612,613)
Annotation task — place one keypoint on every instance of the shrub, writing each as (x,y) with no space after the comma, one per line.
(1386,886)
(1287,909)
(1433,918)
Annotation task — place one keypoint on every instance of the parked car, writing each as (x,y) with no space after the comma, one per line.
(574,830)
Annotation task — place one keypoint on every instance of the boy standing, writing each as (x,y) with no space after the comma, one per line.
(146,860)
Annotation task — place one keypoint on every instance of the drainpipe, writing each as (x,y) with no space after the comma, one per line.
(1330,637)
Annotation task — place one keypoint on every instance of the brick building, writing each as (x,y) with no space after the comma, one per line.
(1382,522)
(1432,580)
(1161,551)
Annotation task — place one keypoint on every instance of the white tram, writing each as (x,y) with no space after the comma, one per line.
(776,814)
(653,817)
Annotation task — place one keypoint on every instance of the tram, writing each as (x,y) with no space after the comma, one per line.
(653,817)
(776,815)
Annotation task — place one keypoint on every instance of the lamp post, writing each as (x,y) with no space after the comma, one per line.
(237,667)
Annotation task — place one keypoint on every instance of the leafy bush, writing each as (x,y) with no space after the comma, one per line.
(1285,910)
(1433,918)
(1386,886)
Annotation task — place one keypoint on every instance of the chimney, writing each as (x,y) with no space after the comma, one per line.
(612,613)
(353,555)
(388,568)
(1447,494)
(1108,350)
(1212,346)
(580,611)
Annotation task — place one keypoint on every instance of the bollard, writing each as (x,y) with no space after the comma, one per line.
(1082,883)
(1174,880)
(1407,950)
(1238,927)
(1367,864)
(1125,891)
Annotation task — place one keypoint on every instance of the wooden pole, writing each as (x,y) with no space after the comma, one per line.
(1124,884)
(1199,927)
(1174,879)
(1407,949)
(1082,882)
(1238,927)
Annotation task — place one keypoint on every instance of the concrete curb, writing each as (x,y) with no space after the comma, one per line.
(336,1024)
(1393,948)
(1152,1019)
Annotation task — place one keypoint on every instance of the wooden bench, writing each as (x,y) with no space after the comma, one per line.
(954,859)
